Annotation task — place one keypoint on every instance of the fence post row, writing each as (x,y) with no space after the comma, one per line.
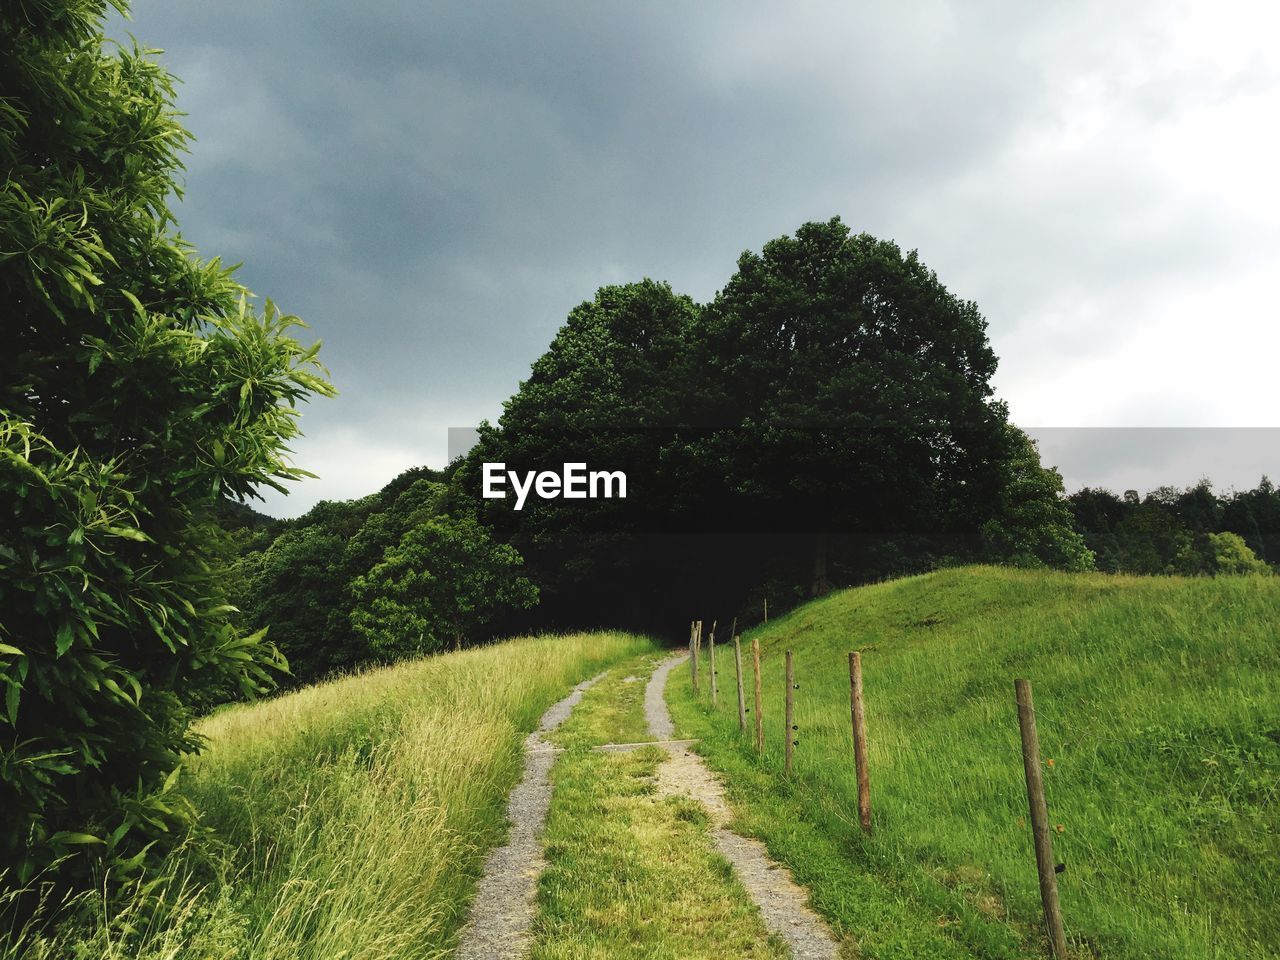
(1040,819)
(859,739)
(1026,724)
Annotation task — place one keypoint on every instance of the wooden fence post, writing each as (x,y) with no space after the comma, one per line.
(700,671)
(711,664)
(1040,819)
(755,656)
(766,609)
(697,654)
(790,712)
(693,660)
(742,701)
(859,740)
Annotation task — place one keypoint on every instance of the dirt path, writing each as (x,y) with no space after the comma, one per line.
(783,904)
(504,902)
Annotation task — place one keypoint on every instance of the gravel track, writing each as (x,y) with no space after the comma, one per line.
(784,904)
(503,908)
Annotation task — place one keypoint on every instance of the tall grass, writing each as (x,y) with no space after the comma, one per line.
(1158,703)
(351,819)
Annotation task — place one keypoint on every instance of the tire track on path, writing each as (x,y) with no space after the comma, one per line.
(503,908)
(784,904)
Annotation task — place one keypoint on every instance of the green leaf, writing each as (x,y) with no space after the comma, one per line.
(69,837)
(137,304)
(66,636)
(129,533)
(115,688)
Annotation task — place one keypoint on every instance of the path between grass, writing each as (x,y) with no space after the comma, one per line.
(638,858)
(503,905)
(783,904)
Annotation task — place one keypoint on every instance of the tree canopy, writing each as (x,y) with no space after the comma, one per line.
(832,403)
(848,391)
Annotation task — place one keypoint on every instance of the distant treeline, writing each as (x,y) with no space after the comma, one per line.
(314,580)
(826,420)
(1191,531)
(359,581)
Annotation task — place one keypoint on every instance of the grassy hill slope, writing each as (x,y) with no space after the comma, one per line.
(1158,704)
(351,818)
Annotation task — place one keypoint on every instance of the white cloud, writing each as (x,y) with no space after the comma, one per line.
(348,463)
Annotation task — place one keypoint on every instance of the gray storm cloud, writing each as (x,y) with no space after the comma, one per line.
(433,187)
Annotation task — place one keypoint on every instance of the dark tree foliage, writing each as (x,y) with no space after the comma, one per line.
(828,417)
(443,582)
(404,571)
(296,584)
(137,390)
(1172,531)
(1255,516)
(847,391)
(1097,513)
(1033,526)
(609,392)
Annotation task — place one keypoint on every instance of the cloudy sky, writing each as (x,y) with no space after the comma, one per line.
(433,186)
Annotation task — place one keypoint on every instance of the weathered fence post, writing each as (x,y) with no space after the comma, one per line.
(755,656)
(766,609)
(859,739)
(693,660)
(790,712)
(737,666)
(1040,819)
(697,654)
(711,665)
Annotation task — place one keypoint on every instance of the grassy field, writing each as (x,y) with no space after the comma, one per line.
(1158,703)
(630,873)
(352,817)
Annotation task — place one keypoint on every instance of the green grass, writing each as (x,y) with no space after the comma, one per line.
(631,874)
(1158,701)
(352,817)
(613,710)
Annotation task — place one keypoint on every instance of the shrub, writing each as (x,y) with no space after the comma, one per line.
(444,580)
(1231,555)
(137,388)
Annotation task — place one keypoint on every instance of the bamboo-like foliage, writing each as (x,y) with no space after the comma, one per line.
(137,387)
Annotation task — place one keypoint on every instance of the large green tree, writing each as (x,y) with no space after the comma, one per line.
(850,392)
(137,388)
(833,401)
(609,392)
(442,583)
(402,571)
(1033,526)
